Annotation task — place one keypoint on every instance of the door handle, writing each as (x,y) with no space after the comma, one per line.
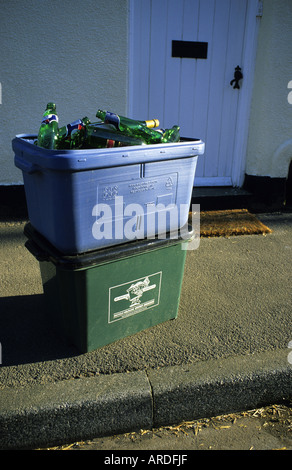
(237,76)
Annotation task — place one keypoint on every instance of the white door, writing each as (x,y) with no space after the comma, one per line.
(195,93)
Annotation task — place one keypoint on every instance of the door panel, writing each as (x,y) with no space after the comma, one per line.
(194,93)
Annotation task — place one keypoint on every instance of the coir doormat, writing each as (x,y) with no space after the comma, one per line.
(226,223)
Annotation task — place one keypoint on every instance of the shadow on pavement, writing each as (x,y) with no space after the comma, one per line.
(26,334)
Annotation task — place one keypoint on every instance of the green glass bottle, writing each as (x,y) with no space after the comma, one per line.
(171,135)
(130,127)
(106,136)
(120,121)
(49,129)
(72,135)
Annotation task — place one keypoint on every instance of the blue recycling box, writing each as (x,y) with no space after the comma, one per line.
(82,200)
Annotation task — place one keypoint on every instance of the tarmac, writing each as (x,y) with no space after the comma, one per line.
(229,349)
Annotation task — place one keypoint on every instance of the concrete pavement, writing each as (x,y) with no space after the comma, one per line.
(227,350)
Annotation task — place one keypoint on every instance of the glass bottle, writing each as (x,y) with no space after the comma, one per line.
(120,121)
(106,136)
(72,135)
(131,127)
(49,129)
(171,135)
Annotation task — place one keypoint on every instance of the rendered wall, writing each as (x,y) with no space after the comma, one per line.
(76,54)
(269,149)
(73,53)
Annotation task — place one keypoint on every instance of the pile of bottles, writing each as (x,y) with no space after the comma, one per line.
(111,130)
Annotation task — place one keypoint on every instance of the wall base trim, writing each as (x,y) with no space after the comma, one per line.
(269,194)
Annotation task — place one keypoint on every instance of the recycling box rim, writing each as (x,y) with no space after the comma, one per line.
(43,250)
(30,157)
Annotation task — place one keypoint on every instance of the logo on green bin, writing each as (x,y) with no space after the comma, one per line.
(134,296)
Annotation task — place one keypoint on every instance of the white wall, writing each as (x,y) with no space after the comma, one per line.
(269,150)
(74,53)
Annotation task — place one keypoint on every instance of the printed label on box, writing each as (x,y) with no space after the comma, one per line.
(134,297)
(141,188)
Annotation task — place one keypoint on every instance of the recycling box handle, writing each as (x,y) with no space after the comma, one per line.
(25,166)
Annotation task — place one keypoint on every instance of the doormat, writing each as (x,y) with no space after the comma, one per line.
(226,223)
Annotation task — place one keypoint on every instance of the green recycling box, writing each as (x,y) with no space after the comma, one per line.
(98,297)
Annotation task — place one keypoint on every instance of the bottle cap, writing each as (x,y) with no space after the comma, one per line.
(152,123)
